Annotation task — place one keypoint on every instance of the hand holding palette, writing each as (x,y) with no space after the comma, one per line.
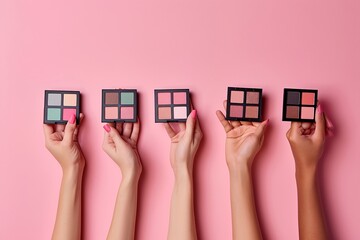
(299,105)
(172,105)
(244,104)
(119,105)
(60,106)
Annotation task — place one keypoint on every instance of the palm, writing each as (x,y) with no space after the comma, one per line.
(243,141)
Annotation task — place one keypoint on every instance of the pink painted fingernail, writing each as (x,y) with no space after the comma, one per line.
(72,119)
(107,128)
(193,113)
(319,109)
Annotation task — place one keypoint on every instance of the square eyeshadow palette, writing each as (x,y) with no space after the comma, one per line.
(60,105)
(172,105)
(299,105)
(244,104)
(119,105)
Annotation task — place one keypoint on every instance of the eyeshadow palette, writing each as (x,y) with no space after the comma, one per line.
(60,106)
(119,105)
(172,105)
(244,104)
(299,105)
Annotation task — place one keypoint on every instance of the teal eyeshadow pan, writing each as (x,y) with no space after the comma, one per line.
(60,105)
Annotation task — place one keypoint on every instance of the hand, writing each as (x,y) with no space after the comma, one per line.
(243,141)
(307,140)
(120,143)
(184,143)
(62,143)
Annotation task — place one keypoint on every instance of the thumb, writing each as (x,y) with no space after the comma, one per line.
(320,129)
(70,129)
(260,130)
(114,135)
(190,124)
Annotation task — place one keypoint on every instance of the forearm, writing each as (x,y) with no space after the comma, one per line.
(124,218)
(245,224)
(311,220)
(182,218)
(68,218)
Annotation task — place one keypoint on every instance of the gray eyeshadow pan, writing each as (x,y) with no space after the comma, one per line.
(54,99)
(293,98)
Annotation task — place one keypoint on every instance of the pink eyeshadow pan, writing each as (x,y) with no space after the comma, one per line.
(237,96)
(236,111)
(180,112)
(111,113)
(179,98)
(252,97)
(127,112)
(164,98)
(67,112)
(307,112)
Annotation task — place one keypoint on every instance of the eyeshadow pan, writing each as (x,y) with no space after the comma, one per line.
(179,98)
(70,100)
(236,111)
(299,105)
(54,99)
(164,112)
(180,112)
(307,112)
(67,112)
(292,112)
(53,114)
(171,105)
(252,97)
(293,97)
(112,98)
(111,112)
(237,96)
(60,105)
(127,98)
(308,98)
(119,105)
(251,112)
(244,104)
(127,112)
(164,98)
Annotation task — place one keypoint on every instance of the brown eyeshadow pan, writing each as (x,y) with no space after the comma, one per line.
(244,104)
(299,105)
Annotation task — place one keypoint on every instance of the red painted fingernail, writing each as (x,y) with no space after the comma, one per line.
(319,109)
(193,114)
(72,119)
(107,128)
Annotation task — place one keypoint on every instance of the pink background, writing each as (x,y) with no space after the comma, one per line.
(202,45)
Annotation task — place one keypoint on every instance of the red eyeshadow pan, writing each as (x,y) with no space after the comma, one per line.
(308,98)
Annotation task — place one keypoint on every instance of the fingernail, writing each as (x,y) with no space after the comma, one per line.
(193,113)
(329,123)
(72,119)
(319,109)
(107,128)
